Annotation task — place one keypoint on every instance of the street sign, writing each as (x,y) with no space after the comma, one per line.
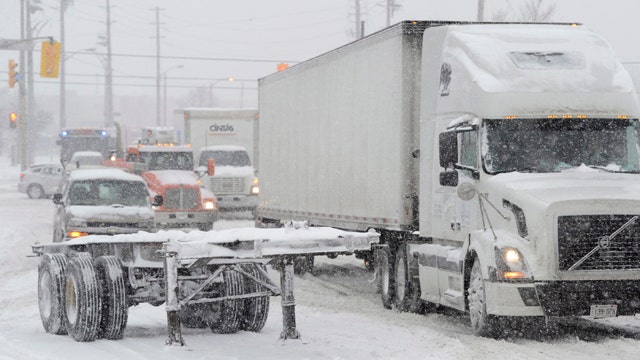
(49,59)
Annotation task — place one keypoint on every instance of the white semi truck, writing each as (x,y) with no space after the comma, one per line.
(499,162)
(230,138)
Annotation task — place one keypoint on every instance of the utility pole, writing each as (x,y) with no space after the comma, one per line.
(158,118)
(358,25)
(63,102)
(480,10)
(108,119)
(391,8)
(22,117)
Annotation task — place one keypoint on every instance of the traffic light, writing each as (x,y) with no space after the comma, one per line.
(12,73)
(13,120)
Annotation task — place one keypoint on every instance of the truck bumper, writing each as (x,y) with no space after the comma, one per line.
(512,299)
(175,219)
(563,298)
(237,202)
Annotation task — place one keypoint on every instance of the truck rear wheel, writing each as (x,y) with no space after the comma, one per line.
(230,312)
(482,323)
(384,264)
(115,310)
(256,309)
(51,282)
(195,315)
(82,298)
(205,226)
(407,292)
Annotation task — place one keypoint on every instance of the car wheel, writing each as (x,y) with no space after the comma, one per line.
(35,191)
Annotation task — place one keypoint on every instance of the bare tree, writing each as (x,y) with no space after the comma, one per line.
(528,11)
(200,96)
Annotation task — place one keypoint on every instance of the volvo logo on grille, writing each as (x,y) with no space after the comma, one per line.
(604,242)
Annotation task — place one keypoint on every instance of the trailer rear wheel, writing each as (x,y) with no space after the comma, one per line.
(115,310)
(407,292)
(384,264)
(230,312)
(50,292)
(82,298)
(205,226)
(482,323)
(303,264)
(256,309)
(195,315)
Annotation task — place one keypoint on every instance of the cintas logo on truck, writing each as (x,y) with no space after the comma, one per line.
(225,129)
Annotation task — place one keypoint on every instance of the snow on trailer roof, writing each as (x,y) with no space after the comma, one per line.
(224,147)
(266,242)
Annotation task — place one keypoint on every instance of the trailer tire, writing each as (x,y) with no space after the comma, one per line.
(194,316)
(407,291)
(205,226)
(82,301)
(230,314)
(482,323)
(384,264)
(303,264)
(115,309)
(51,282)
(256,309)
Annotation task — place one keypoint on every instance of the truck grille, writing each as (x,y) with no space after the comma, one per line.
(181,198)
(102,224)
(227,185)
(578,235)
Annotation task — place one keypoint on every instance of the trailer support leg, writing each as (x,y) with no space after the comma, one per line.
(172,305)
(288,302)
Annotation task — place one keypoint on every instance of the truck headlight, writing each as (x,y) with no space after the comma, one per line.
(77,222)
(511,264)
(255,190)
(210,205)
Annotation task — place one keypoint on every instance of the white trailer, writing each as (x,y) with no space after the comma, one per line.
(230,137)
(214,279)
(437,135)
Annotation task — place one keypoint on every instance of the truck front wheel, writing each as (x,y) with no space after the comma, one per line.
(115,310)
(482,323)
(51,282)
(82,298)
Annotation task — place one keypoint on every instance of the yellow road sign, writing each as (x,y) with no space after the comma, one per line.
(49,59)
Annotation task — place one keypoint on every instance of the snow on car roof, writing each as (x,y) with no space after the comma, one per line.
(87,154)
(158,148)
(102,173)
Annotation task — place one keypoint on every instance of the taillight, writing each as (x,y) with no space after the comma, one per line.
(21,176)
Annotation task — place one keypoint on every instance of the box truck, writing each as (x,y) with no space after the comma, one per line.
(499,162)
(230,138)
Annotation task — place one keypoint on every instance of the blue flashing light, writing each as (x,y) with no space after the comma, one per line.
(64,133)
(103,133)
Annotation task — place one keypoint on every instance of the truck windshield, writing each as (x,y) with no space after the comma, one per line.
(106,192)
(168,160)
(225,158)
(552,145)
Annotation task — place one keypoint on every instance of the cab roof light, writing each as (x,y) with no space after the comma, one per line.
(581,116)
(552,116)
(510,117)
(623,116)
(567,116)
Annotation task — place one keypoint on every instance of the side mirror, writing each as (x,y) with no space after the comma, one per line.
(157,200)
(57,198)
(211,166)
(448,148)
(449,178)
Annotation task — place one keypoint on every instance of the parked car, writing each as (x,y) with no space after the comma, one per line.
(41,180)
(102,201)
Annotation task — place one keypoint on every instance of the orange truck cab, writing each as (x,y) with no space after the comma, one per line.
(168,171)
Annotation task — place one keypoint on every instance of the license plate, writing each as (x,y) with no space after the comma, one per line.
(181,216)
(603,311)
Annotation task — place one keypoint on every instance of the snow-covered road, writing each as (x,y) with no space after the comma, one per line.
(338,313)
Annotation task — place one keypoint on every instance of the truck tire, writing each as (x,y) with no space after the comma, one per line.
(195,316)
(230,314)
(303,264)
(51,282)
(384,264)
(482,323)
(82,298)
(205,226)
(407,291)
(115,309)
(256,309)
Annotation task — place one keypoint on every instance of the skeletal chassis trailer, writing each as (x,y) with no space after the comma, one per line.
(86,285)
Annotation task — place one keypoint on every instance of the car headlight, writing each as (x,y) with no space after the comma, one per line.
(77,222)
(511,264)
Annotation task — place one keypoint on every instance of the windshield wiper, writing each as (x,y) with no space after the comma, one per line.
(604,242)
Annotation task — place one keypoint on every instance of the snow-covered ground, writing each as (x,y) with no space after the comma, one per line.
(338,314)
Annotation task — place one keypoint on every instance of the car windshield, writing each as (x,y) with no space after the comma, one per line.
(225,158)
(552,145)
(109,192)
(168,160)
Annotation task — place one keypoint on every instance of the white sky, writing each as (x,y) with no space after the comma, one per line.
(278,30)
